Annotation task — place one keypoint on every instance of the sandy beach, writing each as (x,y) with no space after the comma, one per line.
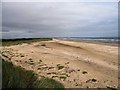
(83,64)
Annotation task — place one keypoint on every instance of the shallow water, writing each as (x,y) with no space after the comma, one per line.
(109,40)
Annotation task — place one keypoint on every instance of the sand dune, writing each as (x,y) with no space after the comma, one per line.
(85,65)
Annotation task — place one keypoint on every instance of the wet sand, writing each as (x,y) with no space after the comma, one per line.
(83,64)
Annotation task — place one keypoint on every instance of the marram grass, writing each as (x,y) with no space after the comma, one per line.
(17,77)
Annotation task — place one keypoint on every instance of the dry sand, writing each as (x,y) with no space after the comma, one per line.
(86,65)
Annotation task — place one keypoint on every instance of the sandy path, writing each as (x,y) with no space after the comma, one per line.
(86,64)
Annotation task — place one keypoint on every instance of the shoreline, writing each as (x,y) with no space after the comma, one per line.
(88,41)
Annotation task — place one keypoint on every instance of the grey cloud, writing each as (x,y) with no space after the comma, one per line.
(58,19)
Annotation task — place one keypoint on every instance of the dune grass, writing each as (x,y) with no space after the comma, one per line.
(9,42)
(48,83)
(60,67)
(17,77)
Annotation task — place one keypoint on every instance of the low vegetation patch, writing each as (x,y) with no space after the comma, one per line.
(9,42)
(60,67)
(62,77)
(54,76)
(17,77)
(48,83)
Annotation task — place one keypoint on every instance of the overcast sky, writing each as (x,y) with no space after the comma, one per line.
(59,19)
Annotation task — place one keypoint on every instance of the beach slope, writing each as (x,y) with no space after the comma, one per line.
(75,64)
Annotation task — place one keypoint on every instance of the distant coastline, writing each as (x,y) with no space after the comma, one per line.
(114,40)
(95,39)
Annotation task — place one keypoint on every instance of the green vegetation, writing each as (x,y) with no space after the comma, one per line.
(8,42)
(17,77)
(54,76)
(59,67)
(62,77)
(48,83)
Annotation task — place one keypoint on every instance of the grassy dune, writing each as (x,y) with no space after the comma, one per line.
(17,77)
(9,42)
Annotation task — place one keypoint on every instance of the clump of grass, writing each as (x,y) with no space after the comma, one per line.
(84,72)
(48,83)
(54,76)
(17,77)
(60,67)
(62,77)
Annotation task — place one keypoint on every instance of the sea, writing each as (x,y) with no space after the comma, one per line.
(96,39)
